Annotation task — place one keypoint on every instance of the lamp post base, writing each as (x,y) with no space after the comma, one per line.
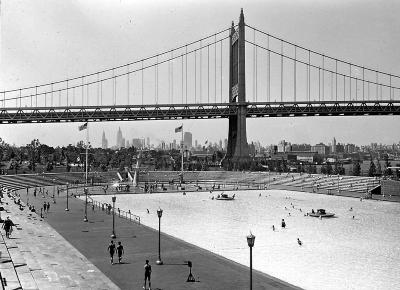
(67,209)
(159,262)
(113,236)
(85,219)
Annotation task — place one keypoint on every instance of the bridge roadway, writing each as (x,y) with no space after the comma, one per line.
(196,111)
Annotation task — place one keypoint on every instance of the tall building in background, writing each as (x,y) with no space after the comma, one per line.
(138,143)
(148,142)
(333,149)
(120,139)
(187,140)
(104,141)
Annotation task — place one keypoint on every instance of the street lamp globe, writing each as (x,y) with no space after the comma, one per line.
(250,240)
(159,212)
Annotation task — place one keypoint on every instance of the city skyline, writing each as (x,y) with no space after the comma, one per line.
(59,48)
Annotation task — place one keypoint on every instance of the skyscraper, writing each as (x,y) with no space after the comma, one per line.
(120,141)
(187,140)
(333,149)
(104,141)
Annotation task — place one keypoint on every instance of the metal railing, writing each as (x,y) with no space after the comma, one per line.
(128,215)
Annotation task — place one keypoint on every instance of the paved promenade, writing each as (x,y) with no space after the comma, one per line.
(140,242)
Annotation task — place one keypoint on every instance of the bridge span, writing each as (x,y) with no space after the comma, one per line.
(196,111)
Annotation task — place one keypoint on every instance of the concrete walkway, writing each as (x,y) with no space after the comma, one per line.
(140,242)
(37,257)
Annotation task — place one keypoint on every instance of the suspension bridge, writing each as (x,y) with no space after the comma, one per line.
(237,73)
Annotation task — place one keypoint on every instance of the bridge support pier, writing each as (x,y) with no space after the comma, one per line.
(237,156)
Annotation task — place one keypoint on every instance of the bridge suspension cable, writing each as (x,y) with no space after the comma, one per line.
(322,73)
(109,82)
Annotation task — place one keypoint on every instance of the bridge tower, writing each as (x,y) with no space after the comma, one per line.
(237,151)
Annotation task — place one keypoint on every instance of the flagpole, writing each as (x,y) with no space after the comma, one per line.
(87,145)
(182,155)
(85,219)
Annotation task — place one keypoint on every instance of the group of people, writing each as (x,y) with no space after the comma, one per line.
(119,249)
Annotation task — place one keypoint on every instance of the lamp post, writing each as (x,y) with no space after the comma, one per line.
(113,236)
(159,214)
(86,194)
(250,241)
(67,208)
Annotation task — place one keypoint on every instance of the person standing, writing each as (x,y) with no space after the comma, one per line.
(48,206)
(7,225)
(147,274)
(120,251)
(111,251)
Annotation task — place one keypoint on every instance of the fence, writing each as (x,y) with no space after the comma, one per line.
(118,212)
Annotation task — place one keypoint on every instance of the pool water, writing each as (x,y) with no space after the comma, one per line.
(337,253)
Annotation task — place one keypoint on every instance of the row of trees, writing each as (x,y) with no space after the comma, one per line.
(375,168)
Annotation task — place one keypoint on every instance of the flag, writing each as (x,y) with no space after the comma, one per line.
(83,127)
(179,129)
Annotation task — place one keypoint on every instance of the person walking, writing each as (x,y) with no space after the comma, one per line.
(120,252)
(48,206)
(147,274)
(7,226)
(111,251)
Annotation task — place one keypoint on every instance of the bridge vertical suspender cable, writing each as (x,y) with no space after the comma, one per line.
(52,94)
(82,93)
(319,84)
(281,71)
(195,76)
(169,81)
(87,95)
(350,79)
(208,73)
(309,76)
(127,81)
(101,93)
(376,85)
(98,90)
(113,87)
(294,73)
(142,82)
(336,83)
(221,70)
(256,77)
(363,84)
(254,64)
(182,78)
(331,86)
(157,80)
(172,76)
(356,88)
(323,77)
(268,72)
(215,67)
(186,86)
(200,71)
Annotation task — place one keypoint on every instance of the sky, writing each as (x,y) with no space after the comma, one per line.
(44,41)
